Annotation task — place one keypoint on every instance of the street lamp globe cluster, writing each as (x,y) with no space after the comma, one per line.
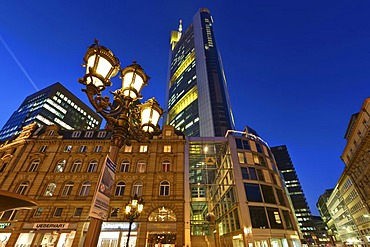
(126,116)
(132,211)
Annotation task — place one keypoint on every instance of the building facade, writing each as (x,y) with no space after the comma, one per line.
(300,205)
(326,217)
(197,96)
(356,157)
(342,203)
(52,105)
(59,169)
(237,196)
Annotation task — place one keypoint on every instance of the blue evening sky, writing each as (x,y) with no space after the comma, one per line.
(296,70)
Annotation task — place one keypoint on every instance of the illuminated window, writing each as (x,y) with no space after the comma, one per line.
(164,188)
(168,133)
(120,189)
(125,166)
(67,148)
(22,189)
(140,166)
(34,165)
(92,166)
(166,166)
(162,214)
(85,188)
(167,148)
(60,166)
(143,148)
(50,189)
(241,157)
(67,189)
(137,188)
(127,149)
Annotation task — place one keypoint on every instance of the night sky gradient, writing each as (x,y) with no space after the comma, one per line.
(296,70)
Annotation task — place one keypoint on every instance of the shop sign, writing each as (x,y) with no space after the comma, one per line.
(161,226)
(118,225)
(4,225)
(50,225)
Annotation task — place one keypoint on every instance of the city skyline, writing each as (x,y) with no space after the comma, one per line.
(290,67)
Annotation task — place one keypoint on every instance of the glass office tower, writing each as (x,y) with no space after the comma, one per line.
(197,94)
(300,205)
(52,105)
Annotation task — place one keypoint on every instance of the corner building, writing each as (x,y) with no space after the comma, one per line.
(237,196)
(198,103)
(59,169)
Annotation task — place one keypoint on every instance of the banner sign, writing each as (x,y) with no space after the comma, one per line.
(48,225)
(100,204)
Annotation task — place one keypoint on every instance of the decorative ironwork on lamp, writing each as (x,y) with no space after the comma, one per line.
(126,116)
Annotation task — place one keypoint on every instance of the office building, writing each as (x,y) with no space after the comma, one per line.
(300,205)
(51,105)
(59,170)
(237,195)
(197,96)
(326,217)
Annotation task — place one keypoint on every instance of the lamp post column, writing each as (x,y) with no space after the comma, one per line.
(93,232)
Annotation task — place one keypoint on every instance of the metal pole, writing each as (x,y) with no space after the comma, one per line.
(93,232)
(129,233)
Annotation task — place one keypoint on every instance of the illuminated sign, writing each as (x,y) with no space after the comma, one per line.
(118,225)
(50,225)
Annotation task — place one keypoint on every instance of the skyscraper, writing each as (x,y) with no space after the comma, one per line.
(197,94)
(52,105)
(300,205)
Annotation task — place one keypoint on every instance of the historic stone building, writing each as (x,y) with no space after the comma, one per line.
(59,169)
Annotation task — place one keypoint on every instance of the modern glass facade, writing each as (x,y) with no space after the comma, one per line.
(237,194)
(52,105)
(197,96)
(300,205)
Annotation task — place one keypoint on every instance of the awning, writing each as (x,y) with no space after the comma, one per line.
(11,200)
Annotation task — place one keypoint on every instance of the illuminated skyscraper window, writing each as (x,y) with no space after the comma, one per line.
(52,105)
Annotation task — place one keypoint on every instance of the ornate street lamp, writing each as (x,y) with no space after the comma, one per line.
(126,116)
(132,212)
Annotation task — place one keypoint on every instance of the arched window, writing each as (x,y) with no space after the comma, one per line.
(166,165)
(137,188)
(34,165)
(164,188)
(67,188)
(76,166)
(125,166)
(50,189)
(60,166)
(22,188)
(85,188)
(162,214)
(92,166)
(120,189)
(140,167)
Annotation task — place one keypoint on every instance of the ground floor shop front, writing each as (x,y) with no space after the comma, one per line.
(113,234)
